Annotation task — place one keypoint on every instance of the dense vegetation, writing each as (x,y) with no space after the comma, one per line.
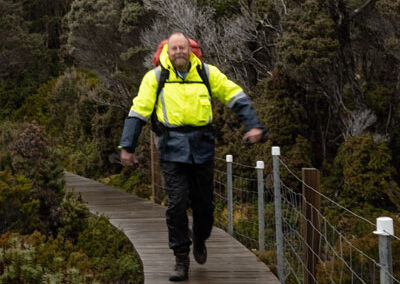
(324,76)
(48,236)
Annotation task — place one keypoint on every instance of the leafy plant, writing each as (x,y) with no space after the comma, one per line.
(74,218)
(33,157)
(18,209)
(110,252)
(366,174)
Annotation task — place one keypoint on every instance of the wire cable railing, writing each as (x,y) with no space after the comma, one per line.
(244,202)
(315,248)
(339,260)
(324,196)
(339,257)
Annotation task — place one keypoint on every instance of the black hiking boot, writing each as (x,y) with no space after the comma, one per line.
(199,249)
(181,267)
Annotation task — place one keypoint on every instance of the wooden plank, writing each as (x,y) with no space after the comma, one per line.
(144,224)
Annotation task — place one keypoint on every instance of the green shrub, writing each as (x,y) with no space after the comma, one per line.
(86,129)
(26,62)
(361,179)
(9,132)
(18,209)
(111,252)
(131,180)
(32,259)
(103,254)
(17,261)
(365,175)
(37,107)
(75,216)
(32,156)
(84,160)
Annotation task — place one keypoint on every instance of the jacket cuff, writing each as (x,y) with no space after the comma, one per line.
(130,134)
(129,150)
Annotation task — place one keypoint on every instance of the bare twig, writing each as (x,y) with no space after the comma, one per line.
(225,44)
(361,8)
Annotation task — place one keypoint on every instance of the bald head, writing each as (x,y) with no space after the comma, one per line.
(178,35)
(179,51)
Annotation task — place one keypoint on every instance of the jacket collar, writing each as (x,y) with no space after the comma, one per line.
(166,62)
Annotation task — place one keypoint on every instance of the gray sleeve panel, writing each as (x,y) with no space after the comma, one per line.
(138,115)
(232,102)
(130,134)
(247,114)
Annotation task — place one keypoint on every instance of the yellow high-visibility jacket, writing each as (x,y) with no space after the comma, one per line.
(185,102)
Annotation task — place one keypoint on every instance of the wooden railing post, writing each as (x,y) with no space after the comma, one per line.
(311,222)
(157,193)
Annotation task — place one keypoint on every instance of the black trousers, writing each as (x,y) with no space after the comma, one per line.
(188,185)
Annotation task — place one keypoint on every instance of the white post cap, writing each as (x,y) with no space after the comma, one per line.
(384,226)
(276,151)
(260,165)
(229,158)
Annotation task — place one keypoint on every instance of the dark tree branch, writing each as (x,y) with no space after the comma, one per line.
(362,8)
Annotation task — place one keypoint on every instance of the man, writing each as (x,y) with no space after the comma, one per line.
(186,142)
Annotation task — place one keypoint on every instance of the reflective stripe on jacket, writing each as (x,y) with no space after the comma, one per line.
(183,101)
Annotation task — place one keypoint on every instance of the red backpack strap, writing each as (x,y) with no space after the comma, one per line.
(156,56)
(196,48)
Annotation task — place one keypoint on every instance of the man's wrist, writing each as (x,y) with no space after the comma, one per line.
(127,149)
(250,127)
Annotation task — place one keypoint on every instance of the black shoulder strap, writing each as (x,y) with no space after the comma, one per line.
(164,75)
(156,126)
(203,75)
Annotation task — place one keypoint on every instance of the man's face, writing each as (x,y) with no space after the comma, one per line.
(179,52)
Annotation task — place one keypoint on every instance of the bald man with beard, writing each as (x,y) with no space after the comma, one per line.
(186,142)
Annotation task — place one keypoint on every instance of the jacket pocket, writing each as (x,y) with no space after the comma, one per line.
(205,110)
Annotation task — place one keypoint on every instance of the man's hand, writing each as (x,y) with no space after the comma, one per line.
(128,159)
(252,136)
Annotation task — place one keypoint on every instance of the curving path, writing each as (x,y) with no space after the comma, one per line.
(144,224)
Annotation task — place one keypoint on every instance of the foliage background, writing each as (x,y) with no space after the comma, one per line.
(324,76)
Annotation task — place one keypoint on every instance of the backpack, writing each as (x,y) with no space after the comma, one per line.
(156,126)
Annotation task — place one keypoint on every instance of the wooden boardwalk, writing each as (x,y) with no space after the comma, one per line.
(144,224)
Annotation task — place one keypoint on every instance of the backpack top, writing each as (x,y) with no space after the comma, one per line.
(194,45)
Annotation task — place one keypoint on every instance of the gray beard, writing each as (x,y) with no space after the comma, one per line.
(181,67)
